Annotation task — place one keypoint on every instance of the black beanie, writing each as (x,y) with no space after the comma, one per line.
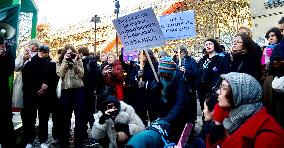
(110,99)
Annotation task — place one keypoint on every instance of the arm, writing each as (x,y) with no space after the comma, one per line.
(268,139)
(181,102)
(61,69)
(99,130)
(19,62)
(135,123)
(7,64)
(79,68)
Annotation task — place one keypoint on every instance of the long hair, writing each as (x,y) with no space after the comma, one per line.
(248,43)
(151,55)
(64,50)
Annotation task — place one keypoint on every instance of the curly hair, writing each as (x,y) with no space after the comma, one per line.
(217,46)
(277,34)
(64,50)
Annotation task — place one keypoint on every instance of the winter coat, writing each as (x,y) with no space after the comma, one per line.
(70,73)
(210,70)
(115,79)
(126,115)
(277,55)
(7,67)
(35,73)
(247,63)
(260,131)
(175,110)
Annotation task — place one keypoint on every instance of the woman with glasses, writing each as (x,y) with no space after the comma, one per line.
(241,116)
(244,57)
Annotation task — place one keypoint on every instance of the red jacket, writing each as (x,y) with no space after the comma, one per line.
(259,131)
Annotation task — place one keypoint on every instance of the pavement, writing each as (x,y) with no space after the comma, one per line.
(18,124)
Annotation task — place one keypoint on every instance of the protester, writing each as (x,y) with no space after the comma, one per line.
(113,76)
(92,81)
(7,66)
(189,69)
(211,66)
(247,123)
(244,57)
(276,69)
(39,87)
(257,48)
(170,109)
(115,123)
(140,80)
(70,69)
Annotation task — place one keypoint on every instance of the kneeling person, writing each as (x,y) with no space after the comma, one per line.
(115,123)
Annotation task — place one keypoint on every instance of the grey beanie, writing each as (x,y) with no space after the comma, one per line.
(245,88)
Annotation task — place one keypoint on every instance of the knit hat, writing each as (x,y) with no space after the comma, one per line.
(110,99)
(167,65)
(247,94)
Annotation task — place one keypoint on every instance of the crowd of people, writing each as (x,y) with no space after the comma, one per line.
(147,103)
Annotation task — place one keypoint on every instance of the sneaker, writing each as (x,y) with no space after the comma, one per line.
(43,145)
(29,145)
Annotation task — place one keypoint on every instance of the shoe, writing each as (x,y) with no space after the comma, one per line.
(43,145)
(29,145)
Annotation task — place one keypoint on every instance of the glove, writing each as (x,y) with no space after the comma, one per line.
(120,127)
(140,74)
(103,118)
(220,114)
(141,84)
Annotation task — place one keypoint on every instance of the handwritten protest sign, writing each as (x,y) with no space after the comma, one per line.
(139,30)
(178,25)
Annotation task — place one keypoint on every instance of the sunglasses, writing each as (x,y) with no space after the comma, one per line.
(110,106)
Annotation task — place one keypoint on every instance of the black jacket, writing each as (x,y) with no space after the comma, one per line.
(35,73)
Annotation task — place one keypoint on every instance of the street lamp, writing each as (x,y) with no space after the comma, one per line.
(95,19)
(116,11)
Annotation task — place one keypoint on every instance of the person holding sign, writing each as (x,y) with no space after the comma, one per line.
(189,69)
(140,82)
(171,108)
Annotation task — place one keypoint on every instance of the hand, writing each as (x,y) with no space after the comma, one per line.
(140,74)
(2,52)
(40,92)
(26,55)
(141,84)
(121,136)
(182,68)
(44,86)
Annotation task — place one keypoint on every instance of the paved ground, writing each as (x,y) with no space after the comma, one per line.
(18,124)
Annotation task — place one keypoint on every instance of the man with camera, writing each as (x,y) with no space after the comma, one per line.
(115,123)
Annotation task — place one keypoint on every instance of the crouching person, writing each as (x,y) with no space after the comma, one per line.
(115,123)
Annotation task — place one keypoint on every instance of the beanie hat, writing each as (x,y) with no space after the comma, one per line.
(167,65)
(110,99)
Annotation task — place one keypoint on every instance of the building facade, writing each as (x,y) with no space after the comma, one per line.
(265,15)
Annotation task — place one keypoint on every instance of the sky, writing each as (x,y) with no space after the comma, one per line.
(63,12)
